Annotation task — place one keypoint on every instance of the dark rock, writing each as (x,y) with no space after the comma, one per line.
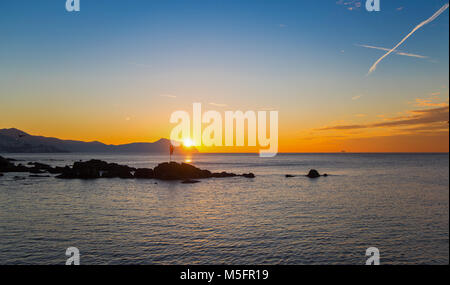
(39,176)
(94,168)
(325,175)
(223,175)
(1,174)
(84,173)
(57,170)
(144,173)
(190,181)
(91,164)
(289,176)
(36,170)
(40,167)
(5,165)
(313,174)
(177,171)
(113,170)
(117,173)
(19,168)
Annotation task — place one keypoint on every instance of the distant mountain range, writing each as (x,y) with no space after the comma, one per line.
(17,141)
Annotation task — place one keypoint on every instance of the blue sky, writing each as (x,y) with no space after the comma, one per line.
(300,57)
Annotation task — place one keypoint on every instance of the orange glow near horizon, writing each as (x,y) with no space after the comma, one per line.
(422,127)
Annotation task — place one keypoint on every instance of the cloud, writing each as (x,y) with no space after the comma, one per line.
(356,97)
(432,101)
(429,102)
(350,4)
(360,115)
(415,118)
(168,96)
(396,52)
(282,25)
(429,20)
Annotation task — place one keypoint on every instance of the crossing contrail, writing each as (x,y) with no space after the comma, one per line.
(435,15)
(396,52)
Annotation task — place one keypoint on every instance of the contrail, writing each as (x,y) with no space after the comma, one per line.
(374,66)
(396,52)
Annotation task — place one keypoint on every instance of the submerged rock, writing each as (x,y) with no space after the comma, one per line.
(190,181)
(39,176)
(223,175)
(40,166)
(248,175)
(87,173)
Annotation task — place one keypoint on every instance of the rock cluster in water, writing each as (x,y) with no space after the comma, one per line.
(94,169)
(311,174)
(315,174)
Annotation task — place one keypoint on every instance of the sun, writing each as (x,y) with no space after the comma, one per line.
(188,142)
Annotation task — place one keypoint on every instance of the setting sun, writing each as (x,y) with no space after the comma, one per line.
(188,142)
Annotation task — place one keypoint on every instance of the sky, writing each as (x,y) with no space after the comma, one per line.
(115,71)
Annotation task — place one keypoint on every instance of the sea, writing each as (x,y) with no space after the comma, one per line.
(397,203)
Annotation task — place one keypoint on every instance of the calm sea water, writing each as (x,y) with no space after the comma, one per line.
(398,203)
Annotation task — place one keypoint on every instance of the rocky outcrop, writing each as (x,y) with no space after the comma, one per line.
(144,173)
(223,175)
(94,169)
(179,171)
(7,166)
(184,171)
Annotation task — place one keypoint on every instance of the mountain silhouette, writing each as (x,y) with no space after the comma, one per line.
(17,141)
